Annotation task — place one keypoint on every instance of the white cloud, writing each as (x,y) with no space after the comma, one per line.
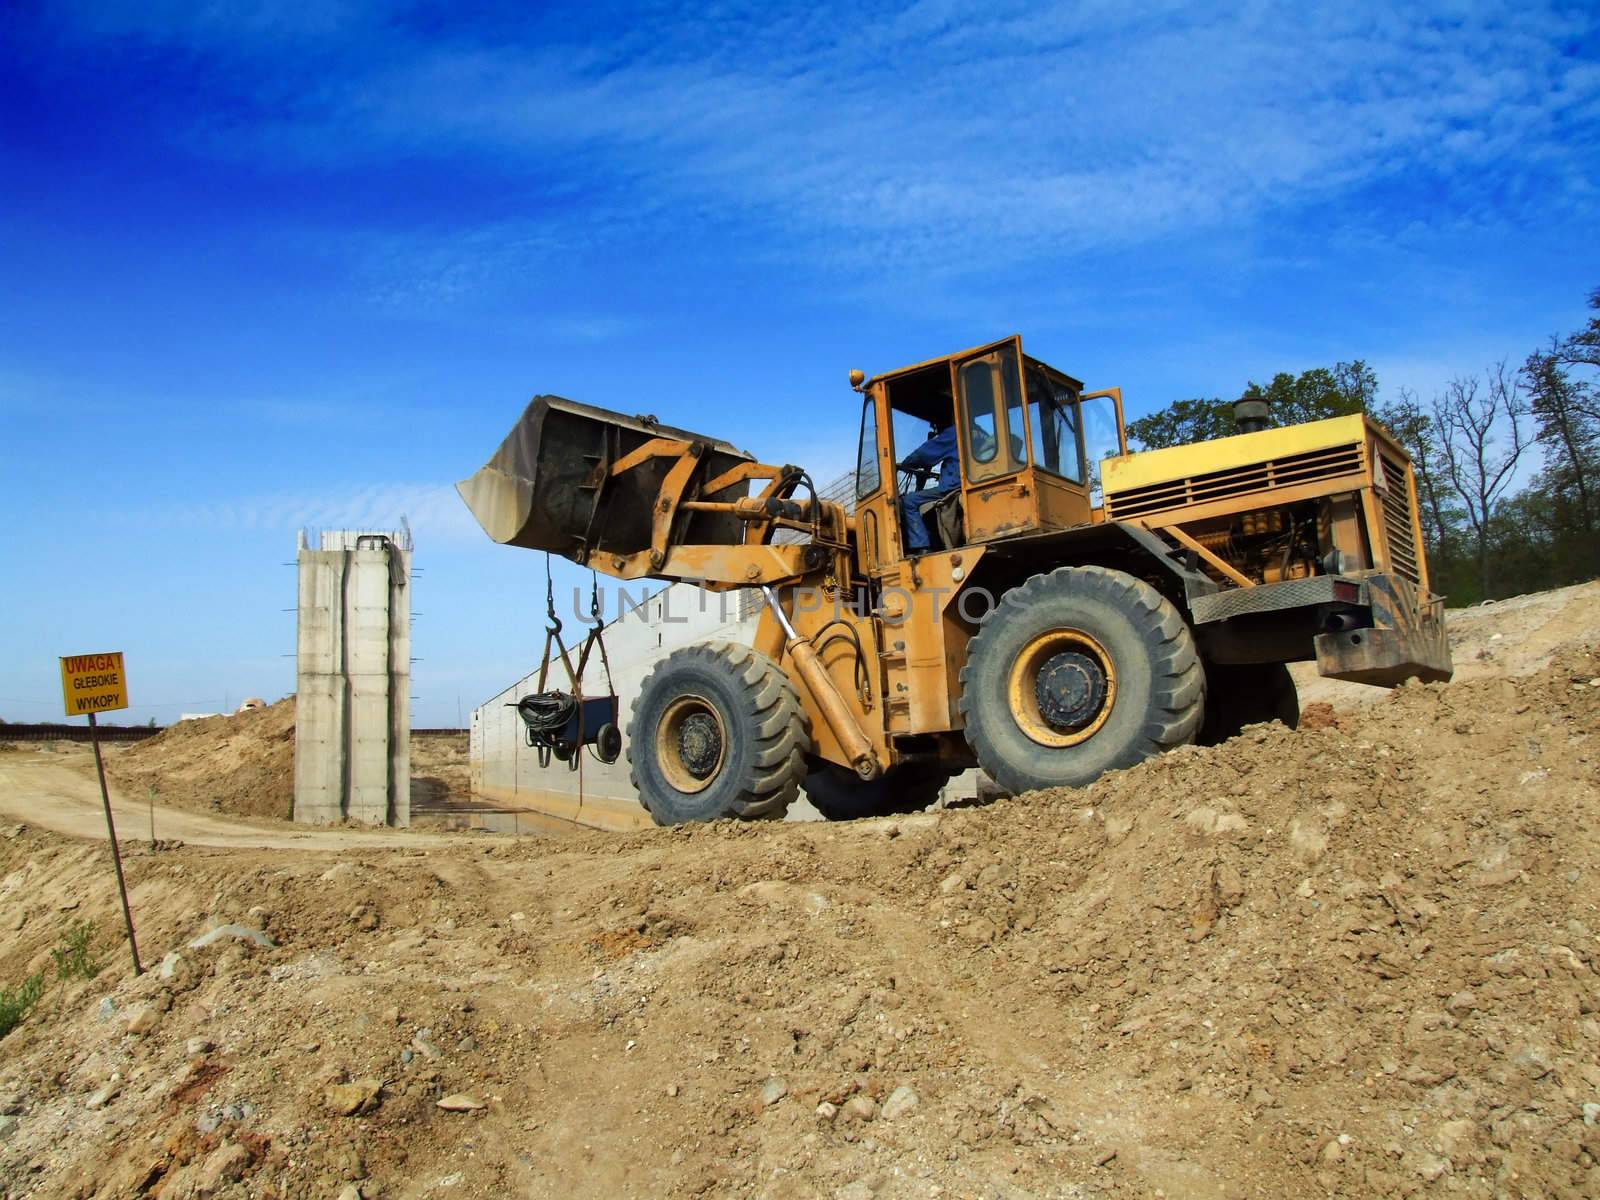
(434,511)
(947,134)
(1028,127)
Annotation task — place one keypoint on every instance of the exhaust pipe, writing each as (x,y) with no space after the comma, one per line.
(1251,415)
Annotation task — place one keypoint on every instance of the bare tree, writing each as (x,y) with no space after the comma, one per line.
(1482,436)
(1566,422)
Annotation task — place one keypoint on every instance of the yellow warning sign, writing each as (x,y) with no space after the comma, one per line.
(93,683)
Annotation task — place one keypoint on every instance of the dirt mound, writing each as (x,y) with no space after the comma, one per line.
(241,764)
(1359,960)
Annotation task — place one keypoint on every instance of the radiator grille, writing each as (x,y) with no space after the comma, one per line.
(1257,478)
(1397,518)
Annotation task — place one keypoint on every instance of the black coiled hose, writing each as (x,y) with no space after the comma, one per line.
(546,714)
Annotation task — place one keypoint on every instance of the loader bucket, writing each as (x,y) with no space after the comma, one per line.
(549,486)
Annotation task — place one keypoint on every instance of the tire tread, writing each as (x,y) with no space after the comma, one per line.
(1177,702)
(777,721)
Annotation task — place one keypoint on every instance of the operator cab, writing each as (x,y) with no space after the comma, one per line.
(1025,451)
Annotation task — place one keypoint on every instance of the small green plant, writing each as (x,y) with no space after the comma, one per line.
(73,960)
(15,1002)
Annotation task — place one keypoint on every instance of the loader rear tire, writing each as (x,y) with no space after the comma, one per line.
(716,731)
(839,794)
(1247,694)
(1075,673)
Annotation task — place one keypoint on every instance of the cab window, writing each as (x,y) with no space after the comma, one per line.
(977,389)
(1100,438)
(991,401)
(867,478)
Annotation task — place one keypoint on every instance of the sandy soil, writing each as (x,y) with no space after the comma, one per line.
(1357,960)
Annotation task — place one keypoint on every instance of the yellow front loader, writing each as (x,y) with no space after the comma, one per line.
(1080,608)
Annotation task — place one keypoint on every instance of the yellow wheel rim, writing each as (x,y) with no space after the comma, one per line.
(1069,653)
(691,743)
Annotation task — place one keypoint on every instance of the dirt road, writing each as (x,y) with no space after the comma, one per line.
(57,791)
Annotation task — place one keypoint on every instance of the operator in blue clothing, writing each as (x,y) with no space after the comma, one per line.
(940,452)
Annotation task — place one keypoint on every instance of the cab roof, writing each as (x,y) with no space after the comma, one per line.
(886,376)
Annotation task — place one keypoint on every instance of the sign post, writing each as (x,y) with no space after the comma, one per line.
(90,684)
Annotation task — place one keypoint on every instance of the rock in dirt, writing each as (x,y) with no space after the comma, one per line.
(773,1090)
(353,1099)
(142,1019)
(1428,1072)
(1430,1166)
(460,1102)
(238,933)
(1455,1136)
(860,1108)
(103,1095)
(222,1166)
(8,1126)
(900,1102)
(1533,1060)
(197,1046)
(782,893)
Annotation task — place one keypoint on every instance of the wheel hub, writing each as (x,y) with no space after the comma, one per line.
(1062,687)
(700,744)
(1070,689)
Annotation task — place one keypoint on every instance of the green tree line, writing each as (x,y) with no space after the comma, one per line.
(1507,461)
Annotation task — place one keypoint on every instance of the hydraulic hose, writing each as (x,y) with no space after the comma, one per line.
(546,714)
(854,743)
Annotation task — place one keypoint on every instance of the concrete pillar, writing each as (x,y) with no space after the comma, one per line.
(353,706)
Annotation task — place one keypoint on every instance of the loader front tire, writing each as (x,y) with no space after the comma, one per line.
(1247,694)
(1075,673)
(717,731)
(839,794)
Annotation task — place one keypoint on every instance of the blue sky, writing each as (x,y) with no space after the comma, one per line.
(268,266)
